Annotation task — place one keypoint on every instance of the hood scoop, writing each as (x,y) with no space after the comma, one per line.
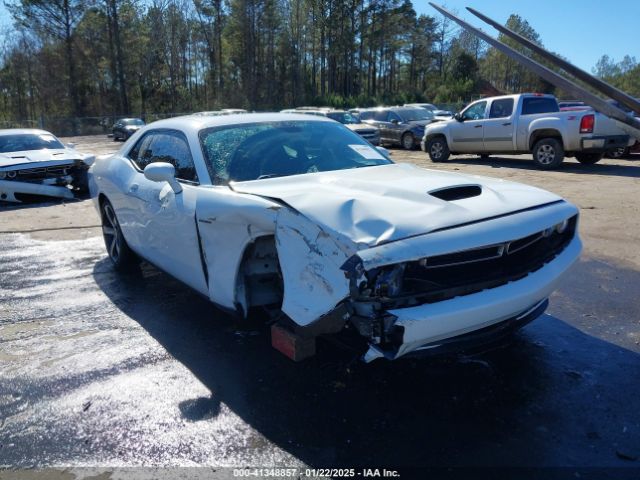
(458,192)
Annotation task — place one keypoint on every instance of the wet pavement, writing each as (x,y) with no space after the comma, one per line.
(103,369)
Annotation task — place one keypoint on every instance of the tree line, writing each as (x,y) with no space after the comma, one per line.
(81,58)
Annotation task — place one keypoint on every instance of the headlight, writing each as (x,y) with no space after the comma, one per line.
(557,228)
(562,226)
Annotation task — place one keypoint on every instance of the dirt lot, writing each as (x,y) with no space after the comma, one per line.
(97,369)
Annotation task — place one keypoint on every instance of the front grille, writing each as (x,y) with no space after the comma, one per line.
(451,275)
(38,174)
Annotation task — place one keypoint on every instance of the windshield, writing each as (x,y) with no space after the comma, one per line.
(28,141)
(415,114)
(255,151)
(133,121)
(343,117)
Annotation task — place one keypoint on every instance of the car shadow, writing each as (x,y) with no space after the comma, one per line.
(623,167)
(546,399)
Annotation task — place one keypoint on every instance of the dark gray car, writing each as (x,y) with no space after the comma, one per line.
(125,127)
(403,126)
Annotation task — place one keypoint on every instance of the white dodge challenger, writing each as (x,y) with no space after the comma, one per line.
(35,162)
(301,213)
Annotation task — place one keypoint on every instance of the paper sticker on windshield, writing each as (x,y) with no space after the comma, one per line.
(367,152)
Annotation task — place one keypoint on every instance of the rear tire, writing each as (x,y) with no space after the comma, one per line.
(548,153)
(438,149)
(120,254)
(588,158)
(408,142)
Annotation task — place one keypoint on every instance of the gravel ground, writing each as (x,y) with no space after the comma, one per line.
(97,369)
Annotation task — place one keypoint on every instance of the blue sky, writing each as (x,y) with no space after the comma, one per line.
(580,30)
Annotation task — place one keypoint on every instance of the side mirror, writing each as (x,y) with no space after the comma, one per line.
(163,172)
(71,145)
(458,117)
(395,121)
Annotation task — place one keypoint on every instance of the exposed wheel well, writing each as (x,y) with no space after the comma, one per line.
(544,133)
(434,135)
(259,278)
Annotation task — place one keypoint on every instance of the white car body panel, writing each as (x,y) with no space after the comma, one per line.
(391,202)
(319,222)
(54,186)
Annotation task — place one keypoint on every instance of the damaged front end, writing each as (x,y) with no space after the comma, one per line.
(475,281)
(60,179)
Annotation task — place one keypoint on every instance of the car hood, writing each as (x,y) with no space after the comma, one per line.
(376,205)
(360,126)
(60,156)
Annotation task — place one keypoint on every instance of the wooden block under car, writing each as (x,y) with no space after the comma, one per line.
(292,345)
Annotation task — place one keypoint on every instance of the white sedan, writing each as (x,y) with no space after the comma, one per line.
(301,213)
(35,162)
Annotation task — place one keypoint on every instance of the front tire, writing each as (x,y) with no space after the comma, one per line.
(548,153)
(120,254)
(588,158)
(438,149)
(408,141)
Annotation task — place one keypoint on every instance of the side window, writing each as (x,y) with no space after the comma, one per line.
(140,154)
(533,105)
(367,115)
(381,115)
(165,146)
(394,116)
(475,111)
(501,108)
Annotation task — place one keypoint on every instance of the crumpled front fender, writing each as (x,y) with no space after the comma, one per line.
(310,260)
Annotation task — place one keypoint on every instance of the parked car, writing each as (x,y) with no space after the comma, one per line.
(125,127)
(525,123)
(35,162)
(401,126)
(366,131)
(439,114)
(299,213)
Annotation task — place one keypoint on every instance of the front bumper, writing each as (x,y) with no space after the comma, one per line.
(9,189)
(430,325)
(482,339)
(604,143)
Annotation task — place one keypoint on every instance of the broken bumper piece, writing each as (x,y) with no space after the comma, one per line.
(9,189)
(453,321)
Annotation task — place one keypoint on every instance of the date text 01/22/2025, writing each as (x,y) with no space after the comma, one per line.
(316,472)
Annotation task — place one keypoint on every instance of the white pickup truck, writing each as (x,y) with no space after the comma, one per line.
(528,122)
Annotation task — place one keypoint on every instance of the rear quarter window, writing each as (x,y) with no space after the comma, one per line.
(534,105)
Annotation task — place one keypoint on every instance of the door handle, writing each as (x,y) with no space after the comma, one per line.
(478,126)
(506,124)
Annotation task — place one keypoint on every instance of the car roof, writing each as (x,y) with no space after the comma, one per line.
(196,123)
(24,131)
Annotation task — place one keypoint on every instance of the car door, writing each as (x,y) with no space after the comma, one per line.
(381,121)
(165,231)
(466,133)
(395,126)
(498,129)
